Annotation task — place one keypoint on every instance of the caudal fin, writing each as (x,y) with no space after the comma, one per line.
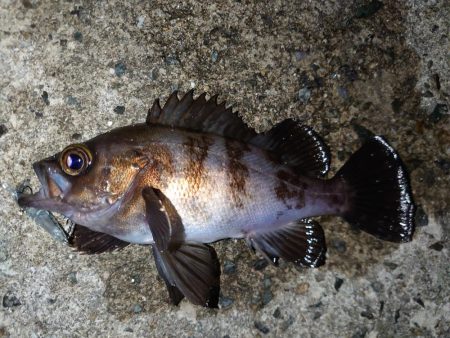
(380,199)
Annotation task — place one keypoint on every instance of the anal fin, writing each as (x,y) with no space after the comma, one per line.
(92,242)
(302,243)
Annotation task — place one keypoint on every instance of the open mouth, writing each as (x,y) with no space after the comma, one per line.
(49,196)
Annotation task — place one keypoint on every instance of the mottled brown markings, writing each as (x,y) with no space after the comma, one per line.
(161,167)
(237,172)
(197,150)
(290,190)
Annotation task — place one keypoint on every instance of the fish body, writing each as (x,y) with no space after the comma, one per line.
(194,173)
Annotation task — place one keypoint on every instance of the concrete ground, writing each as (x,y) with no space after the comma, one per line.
(70,70)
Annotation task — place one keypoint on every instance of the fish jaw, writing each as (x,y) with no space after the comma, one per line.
(51,193)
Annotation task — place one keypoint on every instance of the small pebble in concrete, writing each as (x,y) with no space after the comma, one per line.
(419,301)
(304,95)
(343,92)
(140,22)
(119,110)
(287,323)
(72,101)
(135,279)
(3,130)
(214,56)
(367,314)
(348,73)
(260,264)
(317,315)
(45,97)
(229,267)
(367,10)
(438,113)
(172,60)
(338,283)
(438,246)
(137,308)
(299,55)
(302,288)
(262,327)
(267,297)
(120,69)
(377,286)
(444,165)
(225,302)
(360,333)
(78,36)
(396,316)
(390,265)
(339,245)
(76,136)
(277,313)
(72,277)
(3,254)
(396,105)
(10,300)
(154,74)
(421,218)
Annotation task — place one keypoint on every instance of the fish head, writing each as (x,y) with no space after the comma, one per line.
(86,178)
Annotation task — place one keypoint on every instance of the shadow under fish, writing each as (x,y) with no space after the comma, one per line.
(194,174)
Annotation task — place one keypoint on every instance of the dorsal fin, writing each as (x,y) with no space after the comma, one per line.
(297,146)
(289,142)
(200,115)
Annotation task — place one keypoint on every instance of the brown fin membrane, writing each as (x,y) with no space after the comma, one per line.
(302,243)
(288,142)
(189,269)
(92,242)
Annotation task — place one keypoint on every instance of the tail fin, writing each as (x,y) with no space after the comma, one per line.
(380,200)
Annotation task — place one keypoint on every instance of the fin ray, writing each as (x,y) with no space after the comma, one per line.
(91,242)
(301,242)
(380,199)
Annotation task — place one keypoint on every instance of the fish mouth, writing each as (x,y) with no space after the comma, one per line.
(50,195)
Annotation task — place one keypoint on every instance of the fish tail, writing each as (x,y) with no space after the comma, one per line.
(379,196)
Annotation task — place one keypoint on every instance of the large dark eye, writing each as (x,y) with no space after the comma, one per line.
(75,159)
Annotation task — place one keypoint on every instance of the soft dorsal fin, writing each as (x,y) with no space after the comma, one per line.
(297,146)
(289,142)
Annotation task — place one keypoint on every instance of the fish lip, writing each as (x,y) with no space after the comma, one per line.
(42,195)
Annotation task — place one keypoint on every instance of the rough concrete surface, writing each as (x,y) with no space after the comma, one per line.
(70,70)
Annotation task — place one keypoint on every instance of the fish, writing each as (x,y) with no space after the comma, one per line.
(194,173)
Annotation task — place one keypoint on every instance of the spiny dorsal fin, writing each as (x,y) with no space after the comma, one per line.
(200,115)
(289,142)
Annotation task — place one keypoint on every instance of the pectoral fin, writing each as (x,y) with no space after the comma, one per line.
(189,269)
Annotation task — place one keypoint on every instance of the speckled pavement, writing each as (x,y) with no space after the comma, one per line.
(70,70)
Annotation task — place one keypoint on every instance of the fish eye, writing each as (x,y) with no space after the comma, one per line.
(75,159)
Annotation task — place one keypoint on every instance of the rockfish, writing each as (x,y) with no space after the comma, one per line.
(194,173)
